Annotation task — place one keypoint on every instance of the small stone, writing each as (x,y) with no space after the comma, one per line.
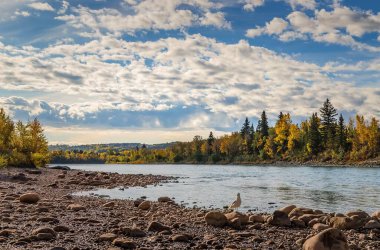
(164,199)
(156,226)
(107,237)
(233,215)
(256,218)
(372,224)
(279,218)
(29,198)
(320,226)
(235,223)
(145,205)
(124,243)
(109,204)
(43,230)
(181,238)
(45,236)
(61,228)
(75,207)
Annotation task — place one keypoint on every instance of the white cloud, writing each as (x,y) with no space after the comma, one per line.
(274,27)
(307,4)
(146,15)
(64,8)
(341,25)
(41,6)
(22,13)
(250,5)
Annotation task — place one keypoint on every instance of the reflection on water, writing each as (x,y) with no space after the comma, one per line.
(262,188)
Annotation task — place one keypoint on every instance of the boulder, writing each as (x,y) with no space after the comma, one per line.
(287,209)
(145,205)
(299,211)
(158,227)
(361,214)
(164,199)
(124,243)
(308,217)
(347,222)
(235,223)
(233,215)
(29,198)
(376,215)
(326,240)
(298,223)
(215,218)
(256,218)
(279,218)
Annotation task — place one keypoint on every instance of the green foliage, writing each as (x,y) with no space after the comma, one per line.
(22,145)
(318,139)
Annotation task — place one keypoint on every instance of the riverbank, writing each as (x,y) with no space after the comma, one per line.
(59,220)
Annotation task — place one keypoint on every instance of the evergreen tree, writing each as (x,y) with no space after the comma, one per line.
(341,134)
(264,127)
(328,123)
(210,142)
(314,136)
(245,129)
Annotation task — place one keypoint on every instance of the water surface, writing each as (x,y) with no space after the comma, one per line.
(262,188)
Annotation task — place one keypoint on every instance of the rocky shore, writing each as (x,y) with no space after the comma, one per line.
(38,211)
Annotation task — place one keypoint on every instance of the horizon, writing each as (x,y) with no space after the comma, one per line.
(156,71)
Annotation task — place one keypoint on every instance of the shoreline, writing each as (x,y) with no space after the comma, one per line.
(81,222)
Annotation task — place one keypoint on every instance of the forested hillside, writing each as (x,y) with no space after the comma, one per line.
(323,137)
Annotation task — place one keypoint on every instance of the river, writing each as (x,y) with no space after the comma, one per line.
(262,188)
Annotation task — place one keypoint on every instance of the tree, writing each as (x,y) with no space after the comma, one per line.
(264,127)
(341,134)
(210,142)
(39,145)
(282,128)
(314,136)
(328,121)
(245,129)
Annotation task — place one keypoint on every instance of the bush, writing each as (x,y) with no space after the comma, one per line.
(3,161)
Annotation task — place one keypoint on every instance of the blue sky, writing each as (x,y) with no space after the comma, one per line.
(163,70)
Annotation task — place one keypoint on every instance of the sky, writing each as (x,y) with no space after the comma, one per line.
(154,71)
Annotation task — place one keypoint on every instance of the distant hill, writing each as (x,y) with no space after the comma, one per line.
(106,147)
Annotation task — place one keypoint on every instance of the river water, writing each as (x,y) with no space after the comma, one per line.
(262,188)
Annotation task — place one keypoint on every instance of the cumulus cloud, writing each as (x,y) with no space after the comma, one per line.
(41,6)
(250,5)
(148,84)
(276,26)
(341,25)
(307,4)
(146,15)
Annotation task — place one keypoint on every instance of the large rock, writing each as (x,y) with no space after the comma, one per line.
(145,205)
(299,211)
(376,215)
(29,198)
(216,219)
(287,209)
(44,233)
(361,214)
(279,218)
(372,224)
(320,226)
(308,217)
(327,240)
(244,219)
(347,222)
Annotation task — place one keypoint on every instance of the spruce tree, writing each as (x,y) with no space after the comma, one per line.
(210,142)
(341,134)
(314,136)
(328,122)
(264,127)
(245,129)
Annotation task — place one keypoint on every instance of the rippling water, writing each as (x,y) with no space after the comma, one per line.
(262,188)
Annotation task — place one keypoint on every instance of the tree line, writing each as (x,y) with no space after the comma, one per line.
(322,137)
(22,145)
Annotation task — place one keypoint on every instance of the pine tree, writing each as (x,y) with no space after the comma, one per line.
(210,142)
(328,123)
(314,136)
